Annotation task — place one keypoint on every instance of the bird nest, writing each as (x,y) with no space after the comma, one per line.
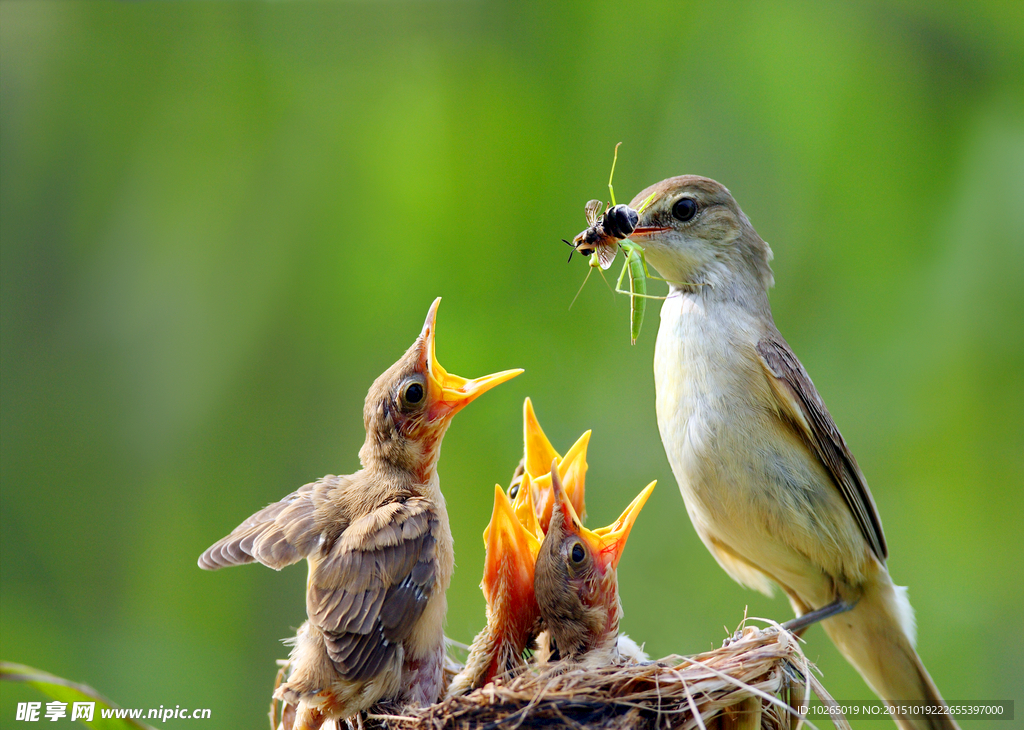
(759,678)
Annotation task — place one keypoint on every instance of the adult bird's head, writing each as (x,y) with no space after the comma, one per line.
(575,580)
(695,234)
(409,407)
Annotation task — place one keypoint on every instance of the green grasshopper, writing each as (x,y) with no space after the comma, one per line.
(606,235)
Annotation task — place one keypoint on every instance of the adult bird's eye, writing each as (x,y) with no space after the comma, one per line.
(578,553)
(413,393)
(684,209)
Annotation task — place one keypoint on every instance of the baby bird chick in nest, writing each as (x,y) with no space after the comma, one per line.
(512,613)
(512,541)
(576,584)
(379,548)
(538,454)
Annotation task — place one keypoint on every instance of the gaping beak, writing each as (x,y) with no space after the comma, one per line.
(511,553)
(572,473)
(524,509)
(610,541)
(537,463)
(539,451)
(450,393)
(607,543)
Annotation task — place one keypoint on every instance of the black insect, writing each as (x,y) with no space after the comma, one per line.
(605,231)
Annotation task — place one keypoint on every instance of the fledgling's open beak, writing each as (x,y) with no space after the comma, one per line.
(511,554)
(537,462)
(450,393)
(572,471)
(539,451)
(606,543)
(610,541)
(524,509)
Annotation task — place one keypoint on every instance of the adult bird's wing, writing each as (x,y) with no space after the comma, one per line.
(368,589)
(802,405)
(278,535)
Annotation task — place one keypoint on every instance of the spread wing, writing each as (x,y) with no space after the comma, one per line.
(278,535)
(801,403)
(367,590)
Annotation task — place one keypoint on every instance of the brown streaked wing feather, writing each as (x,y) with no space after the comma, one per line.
(803,405)
(368,592)
(278,535)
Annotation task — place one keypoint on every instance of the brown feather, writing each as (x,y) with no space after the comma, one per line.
(805,408)
(277,536)
(369,591)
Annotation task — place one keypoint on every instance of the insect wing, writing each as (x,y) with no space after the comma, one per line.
(606,251)
(593,212)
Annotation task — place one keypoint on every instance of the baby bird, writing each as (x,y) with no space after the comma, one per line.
(379,548)
(512,613)
(512,540)
(575,580)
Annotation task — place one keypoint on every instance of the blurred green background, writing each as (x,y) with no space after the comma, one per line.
(220,222)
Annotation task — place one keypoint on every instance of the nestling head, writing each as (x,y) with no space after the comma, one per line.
(693,232)
(409,407)
(575,578)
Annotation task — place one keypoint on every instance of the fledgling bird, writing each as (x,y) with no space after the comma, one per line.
(512,613)
(769,483)
(379,548)
(512,540)
(576,581)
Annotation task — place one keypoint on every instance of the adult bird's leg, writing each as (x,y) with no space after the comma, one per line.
(800,623)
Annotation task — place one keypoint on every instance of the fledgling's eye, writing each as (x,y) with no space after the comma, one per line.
(684,209)
(514,491)
(578,553)
(412,394)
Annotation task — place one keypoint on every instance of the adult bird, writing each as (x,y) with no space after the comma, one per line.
(379,548)
(576,582)
(769,483)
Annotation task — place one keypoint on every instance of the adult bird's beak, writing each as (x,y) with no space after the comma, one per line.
(511,554)
(642,231)
(450,393)
(606,543)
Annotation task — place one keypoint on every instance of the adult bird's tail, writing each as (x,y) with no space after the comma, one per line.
(877,637)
